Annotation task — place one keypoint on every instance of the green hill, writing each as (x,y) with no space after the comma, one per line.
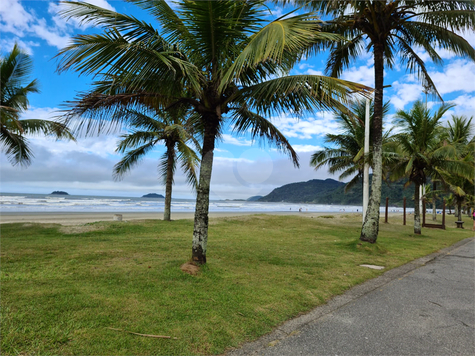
(330,191)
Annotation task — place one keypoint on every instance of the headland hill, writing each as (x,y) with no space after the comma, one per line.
(330,191)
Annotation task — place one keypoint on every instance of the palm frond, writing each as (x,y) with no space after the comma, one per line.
(299,94)
(131,159)
(246,121)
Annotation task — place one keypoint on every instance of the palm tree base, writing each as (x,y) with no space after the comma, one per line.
(197,256)
(370,240)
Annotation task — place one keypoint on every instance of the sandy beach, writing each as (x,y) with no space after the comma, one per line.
(83,218)
(71,218)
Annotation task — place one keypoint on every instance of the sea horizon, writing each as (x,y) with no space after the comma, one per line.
(33,202)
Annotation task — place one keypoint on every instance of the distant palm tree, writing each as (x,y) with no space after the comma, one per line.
(147,129)
(462,186)
(460,132)
(449,201)
(347,153)
(459,136)
(422,152)
(15,68)
(392,30)
(223,59)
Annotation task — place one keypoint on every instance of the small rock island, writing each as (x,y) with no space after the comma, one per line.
(153,195)
(59,192)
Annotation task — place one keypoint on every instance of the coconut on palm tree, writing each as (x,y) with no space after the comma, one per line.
(223,59)
(149,129)
(15,69)
(346,153)
(422,152)
(393,30)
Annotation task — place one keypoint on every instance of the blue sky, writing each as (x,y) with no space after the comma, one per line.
(241,168)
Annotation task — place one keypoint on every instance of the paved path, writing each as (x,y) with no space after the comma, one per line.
(426,307)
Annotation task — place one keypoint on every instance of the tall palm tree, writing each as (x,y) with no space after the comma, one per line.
(391,29)
(422,152)
(221,58)
(146,130)
(15,68)
(347,153)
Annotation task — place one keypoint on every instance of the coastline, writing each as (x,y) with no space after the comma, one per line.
(73,218)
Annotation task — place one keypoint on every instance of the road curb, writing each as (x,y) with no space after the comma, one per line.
(292,326)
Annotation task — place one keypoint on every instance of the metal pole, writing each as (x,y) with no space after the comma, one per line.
(404,211)
(366,164)
(421,195)
(386,214)
(423,212)
(443,215)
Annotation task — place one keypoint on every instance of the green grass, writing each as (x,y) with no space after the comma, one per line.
(62,287)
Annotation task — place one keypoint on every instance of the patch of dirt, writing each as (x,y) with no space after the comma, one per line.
(79,229)
(46,226)
(190,268)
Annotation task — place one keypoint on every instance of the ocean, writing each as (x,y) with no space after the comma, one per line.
(15,202)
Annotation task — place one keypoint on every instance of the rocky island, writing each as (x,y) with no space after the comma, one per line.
(59,192)
(153,195)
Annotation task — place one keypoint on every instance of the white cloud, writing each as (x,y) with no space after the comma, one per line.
(102,146)
(13,17)
(52,37)
(465,105)
(469,36)
(101,3)
(16,19)
(230,160)
(458,75)
(363,75)
(237,141)
(314,72)
(306,128)
(221,150)
(307,148)
(405,93)
(7,44)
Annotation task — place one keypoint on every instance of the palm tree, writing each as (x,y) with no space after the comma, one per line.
(347,155)
(221,58)
(459,136)
(15,68)
(462,186)
(149,129)
(449,201)
(422,152)
(459,132)
(392,28)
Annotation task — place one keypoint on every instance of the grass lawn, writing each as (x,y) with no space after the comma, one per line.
(62,287)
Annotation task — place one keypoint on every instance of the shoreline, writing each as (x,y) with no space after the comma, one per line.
(79,218)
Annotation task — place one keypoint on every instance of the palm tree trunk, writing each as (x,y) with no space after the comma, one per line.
(459,209)
(200,231)
(434,209)
(169,181)
(417,211)
(370,229)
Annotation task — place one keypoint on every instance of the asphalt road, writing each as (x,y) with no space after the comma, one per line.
(427,309)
